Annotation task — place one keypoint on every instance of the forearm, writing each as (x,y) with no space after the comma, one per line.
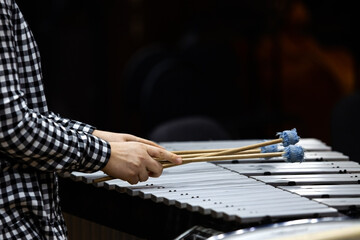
(46,145)
(70,123)
(122,137)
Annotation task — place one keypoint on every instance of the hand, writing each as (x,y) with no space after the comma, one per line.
(122,137)
(133,161)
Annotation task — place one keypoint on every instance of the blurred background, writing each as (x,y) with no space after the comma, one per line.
(251,68)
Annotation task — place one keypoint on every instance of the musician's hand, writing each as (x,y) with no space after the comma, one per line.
(133,161)
(122,137)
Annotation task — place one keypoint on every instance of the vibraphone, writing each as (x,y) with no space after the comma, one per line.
(223,195)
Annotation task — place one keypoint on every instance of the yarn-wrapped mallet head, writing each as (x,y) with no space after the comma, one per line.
(293,153)
(289,137)
(286,138)
(270,148)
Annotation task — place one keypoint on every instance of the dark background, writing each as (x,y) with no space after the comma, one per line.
(255,67)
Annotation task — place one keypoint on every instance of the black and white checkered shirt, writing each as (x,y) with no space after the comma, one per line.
(34,143)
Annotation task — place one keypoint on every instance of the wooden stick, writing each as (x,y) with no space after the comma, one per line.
(186,156)
(202,153)
(198,151)
(167,165)
(103,179)
(232,157)
(240,149)
(226,157)
(205,151)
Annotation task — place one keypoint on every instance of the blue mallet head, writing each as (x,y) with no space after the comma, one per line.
(270,148)
(289,137)
(294,153)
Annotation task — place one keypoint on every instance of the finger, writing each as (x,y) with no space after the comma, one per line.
(154,175)
(164,155)
(143,175)
(155,168)
(133,180)
(147,142)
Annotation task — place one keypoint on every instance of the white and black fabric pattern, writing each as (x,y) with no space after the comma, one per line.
(35,144)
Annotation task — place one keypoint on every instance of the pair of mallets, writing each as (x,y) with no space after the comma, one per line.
(265,149)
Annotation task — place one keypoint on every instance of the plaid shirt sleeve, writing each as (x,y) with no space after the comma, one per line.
(70,123)
(28,132)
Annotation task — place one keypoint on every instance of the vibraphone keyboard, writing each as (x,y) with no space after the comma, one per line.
(226,195)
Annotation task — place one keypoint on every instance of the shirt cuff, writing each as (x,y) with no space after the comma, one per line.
(97,154)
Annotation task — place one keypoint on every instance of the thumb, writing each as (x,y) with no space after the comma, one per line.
(163,154)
